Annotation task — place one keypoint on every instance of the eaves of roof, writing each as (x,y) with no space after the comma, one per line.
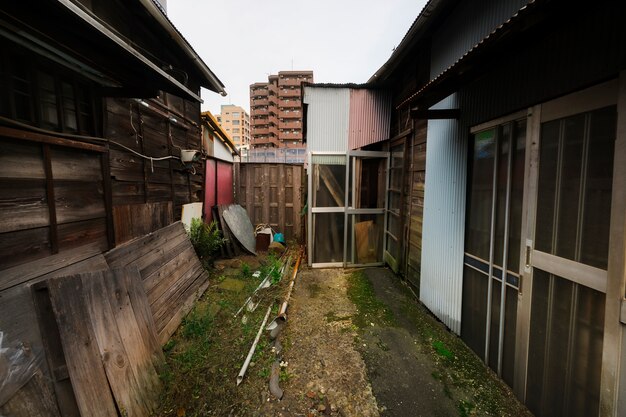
(470,64)
(211,81)
(209,120)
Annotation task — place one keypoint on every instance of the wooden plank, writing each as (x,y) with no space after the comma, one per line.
(23,205)
(143,316)
(154,280)
(35,399)
(22,273)
(76,234)
(130,251)
(48,139)
(139,354)
(126,388)
(80,348)
(194,292)
(164,306)
(72,164)
(21,160)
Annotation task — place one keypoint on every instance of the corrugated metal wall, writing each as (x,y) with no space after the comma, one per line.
(441,284)
(370,117)
(210,196)
(221,151)
(225,184)
(470,22)
(328,115)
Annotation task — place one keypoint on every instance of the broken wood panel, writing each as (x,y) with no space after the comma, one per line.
(125,384)
(129,252)
(35,399)
(80,347)
(23,204)
(193,293)
(139,352)
(143,316)
(180,255)
(164,307)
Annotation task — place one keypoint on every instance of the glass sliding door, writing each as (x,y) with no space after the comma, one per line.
(492,246)
(347,195)
(569,261)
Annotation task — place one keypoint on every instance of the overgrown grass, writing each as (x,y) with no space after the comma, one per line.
(206,353)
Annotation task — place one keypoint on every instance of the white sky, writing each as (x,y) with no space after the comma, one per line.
(340,40)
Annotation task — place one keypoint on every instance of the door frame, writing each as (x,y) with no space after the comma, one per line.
(348,208)
(592,98)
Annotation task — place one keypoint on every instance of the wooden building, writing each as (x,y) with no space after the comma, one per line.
(511,116)
(99,102)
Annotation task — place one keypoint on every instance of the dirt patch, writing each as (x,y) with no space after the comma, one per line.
(326,374)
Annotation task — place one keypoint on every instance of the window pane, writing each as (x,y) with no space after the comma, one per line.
(69,107)
(329,184)
(546,189)
(517,195)
(47,100)
(367,235)
(481,190)
(328,232)
(570,175)
(598,188)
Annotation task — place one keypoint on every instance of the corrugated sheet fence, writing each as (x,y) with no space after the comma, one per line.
(444,220)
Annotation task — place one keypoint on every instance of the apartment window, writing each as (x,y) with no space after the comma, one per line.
(236,122)
(236,138)
(236,130)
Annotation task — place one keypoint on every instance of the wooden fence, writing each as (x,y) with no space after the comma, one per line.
(272,194)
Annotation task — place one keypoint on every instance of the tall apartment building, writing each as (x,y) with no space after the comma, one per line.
(236,122)
(276,110)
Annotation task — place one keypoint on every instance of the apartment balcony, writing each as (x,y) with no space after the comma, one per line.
(288,82)
(291,125)
(265,141)
(259,122)
(256,131)
(289,93)
(291,136)
(259,92)
(259,102)
(289,104)
(272,88)
(261,112)
(297,114)
(273,130)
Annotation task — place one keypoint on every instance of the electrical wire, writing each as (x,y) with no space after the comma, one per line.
(83,137)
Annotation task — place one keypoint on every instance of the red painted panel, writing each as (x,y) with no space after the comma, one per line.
(210,198)
(225,185)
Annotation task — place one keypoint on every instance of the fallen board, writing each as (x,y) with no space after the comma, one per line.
(116,350)
(238,222)
(171,274)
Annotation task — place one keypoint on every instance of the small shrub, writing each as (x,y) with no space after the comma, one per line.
(246,272)
(205,238)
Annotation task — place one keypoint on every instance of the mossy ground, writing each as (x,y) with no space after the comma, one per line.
(466,380)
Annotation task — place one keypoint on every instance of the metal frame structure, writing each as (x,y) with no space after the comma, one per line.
(348,208)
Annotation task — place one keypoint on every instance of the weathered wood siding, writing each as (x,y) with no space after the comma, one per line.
(272,194)
(416,178)
(52,198)
(148,131)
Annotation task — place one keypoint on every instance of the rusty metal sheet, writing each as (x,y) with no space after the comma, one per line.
(240,226)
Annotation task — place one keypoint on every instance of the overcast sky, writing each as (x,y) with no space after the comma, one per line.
(243,41)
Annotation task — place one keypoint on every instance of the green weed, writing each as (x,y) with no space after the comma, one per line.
(206,239)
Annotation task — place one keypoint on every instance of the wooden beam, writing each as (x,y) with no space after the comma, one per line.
(435,114)
(51,140)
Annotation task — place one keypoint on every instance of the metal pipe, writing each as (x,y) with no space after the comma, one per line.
(282,313)
(275,389)
(244,368)
(263,284)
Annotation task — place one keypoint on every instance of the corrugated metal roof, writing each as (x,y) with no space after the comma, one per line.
(501,31)
(370,117)
(327,115)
